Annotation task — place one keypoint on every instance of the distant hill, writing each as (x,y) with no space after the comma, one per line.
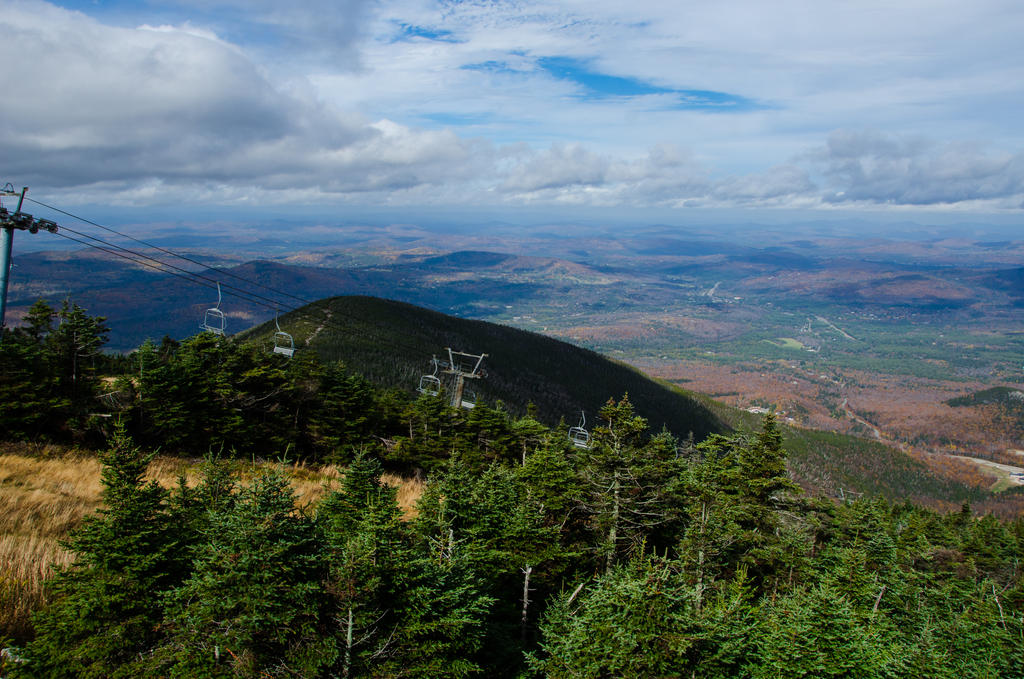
(1010,281)
(391,343)
(140,303)
(1005,396)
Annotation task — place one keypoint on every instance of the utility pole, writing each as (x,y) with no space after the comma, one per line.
(463,366)
(8,223)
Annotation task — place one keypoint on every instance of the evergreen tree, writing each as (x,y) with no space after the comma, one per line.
(371,569)
(39,321)
(630,480)
(503,536)
(641,620)
(405,605)
(76,344)
(427,437)
(106,607)
(255,604)
(814,634)
(345,418)
(30,405)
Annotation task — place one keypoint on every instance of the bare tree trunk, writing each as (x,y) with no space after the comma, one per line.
(613,530)
(700,556)
(348,646)
(526,602)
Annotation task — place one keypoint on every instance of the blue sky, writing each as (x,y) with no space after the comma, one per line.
(901,108)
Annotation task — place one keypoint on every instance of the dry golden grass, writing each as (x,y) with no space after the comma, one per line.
(42,497)
(45,492)
(409,492)
(25,564)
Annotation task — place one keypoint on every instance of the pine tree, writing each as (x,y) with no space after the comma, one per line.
(763,465)
(254,605)
(503,536)
(813,634)
(30,405)
(76,343)
(641,620)
(107,606)
(630,481)
(370,554)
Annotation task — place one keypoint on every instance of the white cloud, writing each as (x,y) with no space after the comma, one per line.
(353,101)
(96,104)
(866,166)
(559,166)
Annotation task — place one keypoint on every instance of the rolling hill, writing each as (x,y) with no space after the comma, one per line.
(392,343)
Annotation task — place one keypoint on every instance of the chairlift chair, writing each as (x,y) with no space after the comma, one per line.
(469,400)
(214,320)
(283,342)
(579,436)
(430,384)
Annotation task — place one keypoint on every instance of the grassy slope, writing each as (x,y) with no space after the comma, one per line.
(47,490)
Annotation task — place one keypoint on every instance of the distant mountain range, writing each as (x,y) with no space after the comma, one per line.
(652,276)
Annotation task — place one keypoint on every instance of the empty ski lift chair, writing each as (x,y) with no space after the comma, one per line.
(430,384)
(283,342)
(469,400)
(214,320)
(579,436)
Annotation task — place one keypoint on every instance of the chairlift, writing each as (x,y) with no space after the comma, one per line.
(579,436)
(469,400)
(283,342)
(430,384)
(214,320)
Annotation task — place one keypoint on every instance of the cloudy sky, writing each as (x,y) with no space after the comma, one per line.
(841,105)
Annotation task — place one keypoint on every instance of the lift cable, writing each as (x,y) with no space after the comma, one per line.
(152,263)
(210,282)
(169,252)
(205,281)
(248,296)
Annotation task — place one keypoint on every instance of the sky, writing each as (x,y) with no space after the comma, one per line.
(901,107)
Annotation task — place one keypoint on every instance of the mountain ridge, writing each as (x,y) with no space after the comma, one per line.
(521,367)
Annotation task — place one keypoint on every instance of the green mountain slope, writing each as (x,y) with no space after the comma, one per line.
(391,343)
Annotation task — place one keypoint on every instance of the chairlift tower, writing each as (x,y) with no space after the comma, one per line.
(5,248)
(463,366)
(8,223)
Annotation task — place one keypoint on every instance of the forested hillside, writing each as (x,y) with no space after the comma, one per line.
(391,343)
(208,393)
(626,559)
(642,553)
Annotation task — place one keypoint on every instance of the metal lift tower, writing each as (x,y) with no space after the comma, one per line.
(463,366)
(8,223)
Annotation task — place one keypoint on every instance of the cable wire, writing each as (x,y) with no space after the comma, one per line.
(168,252)
(248,296)
(192,261)
(192,277)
